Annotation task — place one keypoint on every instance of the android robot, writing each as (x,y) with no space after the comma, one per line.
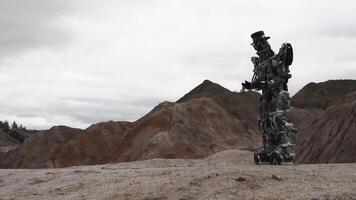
(271,74)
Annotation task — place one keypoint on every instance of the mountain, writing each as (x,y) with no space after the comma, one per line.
(243,106)
(7,142)
(206,89)
(37,150)
(95,145)
(322,95)
(331,137)
(6,139)
(192,129)
(198,125)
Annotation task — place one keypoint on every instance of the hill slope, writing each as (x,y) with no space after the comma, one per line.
(37,150)
(6,139)
(331,137)
(322,95)
(192,129)
(243,106)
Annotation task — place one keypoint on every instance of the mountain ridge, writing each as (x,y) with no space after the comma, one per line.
(323,94)
(208,119)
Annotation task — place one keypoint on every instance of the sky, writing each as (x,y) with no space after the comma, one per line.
(79,62)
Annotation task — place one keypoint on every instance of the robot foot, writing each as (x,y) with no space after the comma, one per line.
(261,157)
(276,159)
(273,158)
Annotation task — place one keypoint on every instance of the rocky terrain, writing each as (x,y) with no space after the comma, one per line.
(322,95)
(6,140)
(243,106)
(11,138)
(225,175)
(37,150)
(193,129)
(331,137)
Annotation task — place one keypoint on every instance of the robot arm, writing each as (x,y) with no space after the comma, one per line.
(255,82)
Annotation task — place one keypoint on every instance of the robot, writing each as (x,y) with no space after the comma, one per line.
(271,74)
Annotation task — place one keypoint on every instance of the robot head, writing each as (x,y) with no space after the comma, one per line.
(259,41)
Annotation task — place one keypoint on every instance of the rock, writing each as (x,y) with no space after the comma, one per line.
(240,179)
(275,177)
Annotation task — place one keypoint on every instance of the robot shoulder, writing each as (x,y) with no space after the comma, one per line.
(285,54)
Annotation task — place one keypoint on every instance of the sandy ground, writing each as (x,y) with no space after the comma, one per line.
(226,175)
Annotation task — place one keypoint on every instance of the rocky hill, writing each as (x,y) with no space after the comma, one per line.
(208,119)
(322,95)
(331,137)
(6,139)
(243,106)
(192,129)
(37,150)
(7,142)
(205,89)
(198,125)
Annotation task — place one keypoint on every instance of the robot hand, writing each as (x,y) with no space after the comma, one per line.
(246,85)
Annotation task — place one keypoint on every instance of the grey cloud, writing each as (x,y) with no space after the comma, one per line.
(347,31)
(91,110)
(25,25)
(85,109)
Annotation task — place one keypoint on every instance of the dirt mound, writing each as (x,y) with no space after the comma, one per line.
(95,145)
(37,150)
(205,89)
(322,95)
(330,138)
(6,139)
(192,129)
(301,118)
(243,106)
(6,142)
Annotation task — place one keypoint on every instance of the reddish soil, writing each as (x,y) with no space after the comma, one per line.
(193,129)
(331,137)
(322,95)
(37,150)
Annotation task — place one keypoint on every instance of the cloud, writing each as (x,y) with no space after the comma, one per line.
(25,25)
(80,62)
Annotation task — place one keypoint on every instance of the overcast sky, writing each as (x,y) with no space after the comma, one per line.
(78,62)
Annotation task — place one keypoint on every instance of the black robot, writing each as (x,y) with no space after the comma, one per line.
(271,74)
